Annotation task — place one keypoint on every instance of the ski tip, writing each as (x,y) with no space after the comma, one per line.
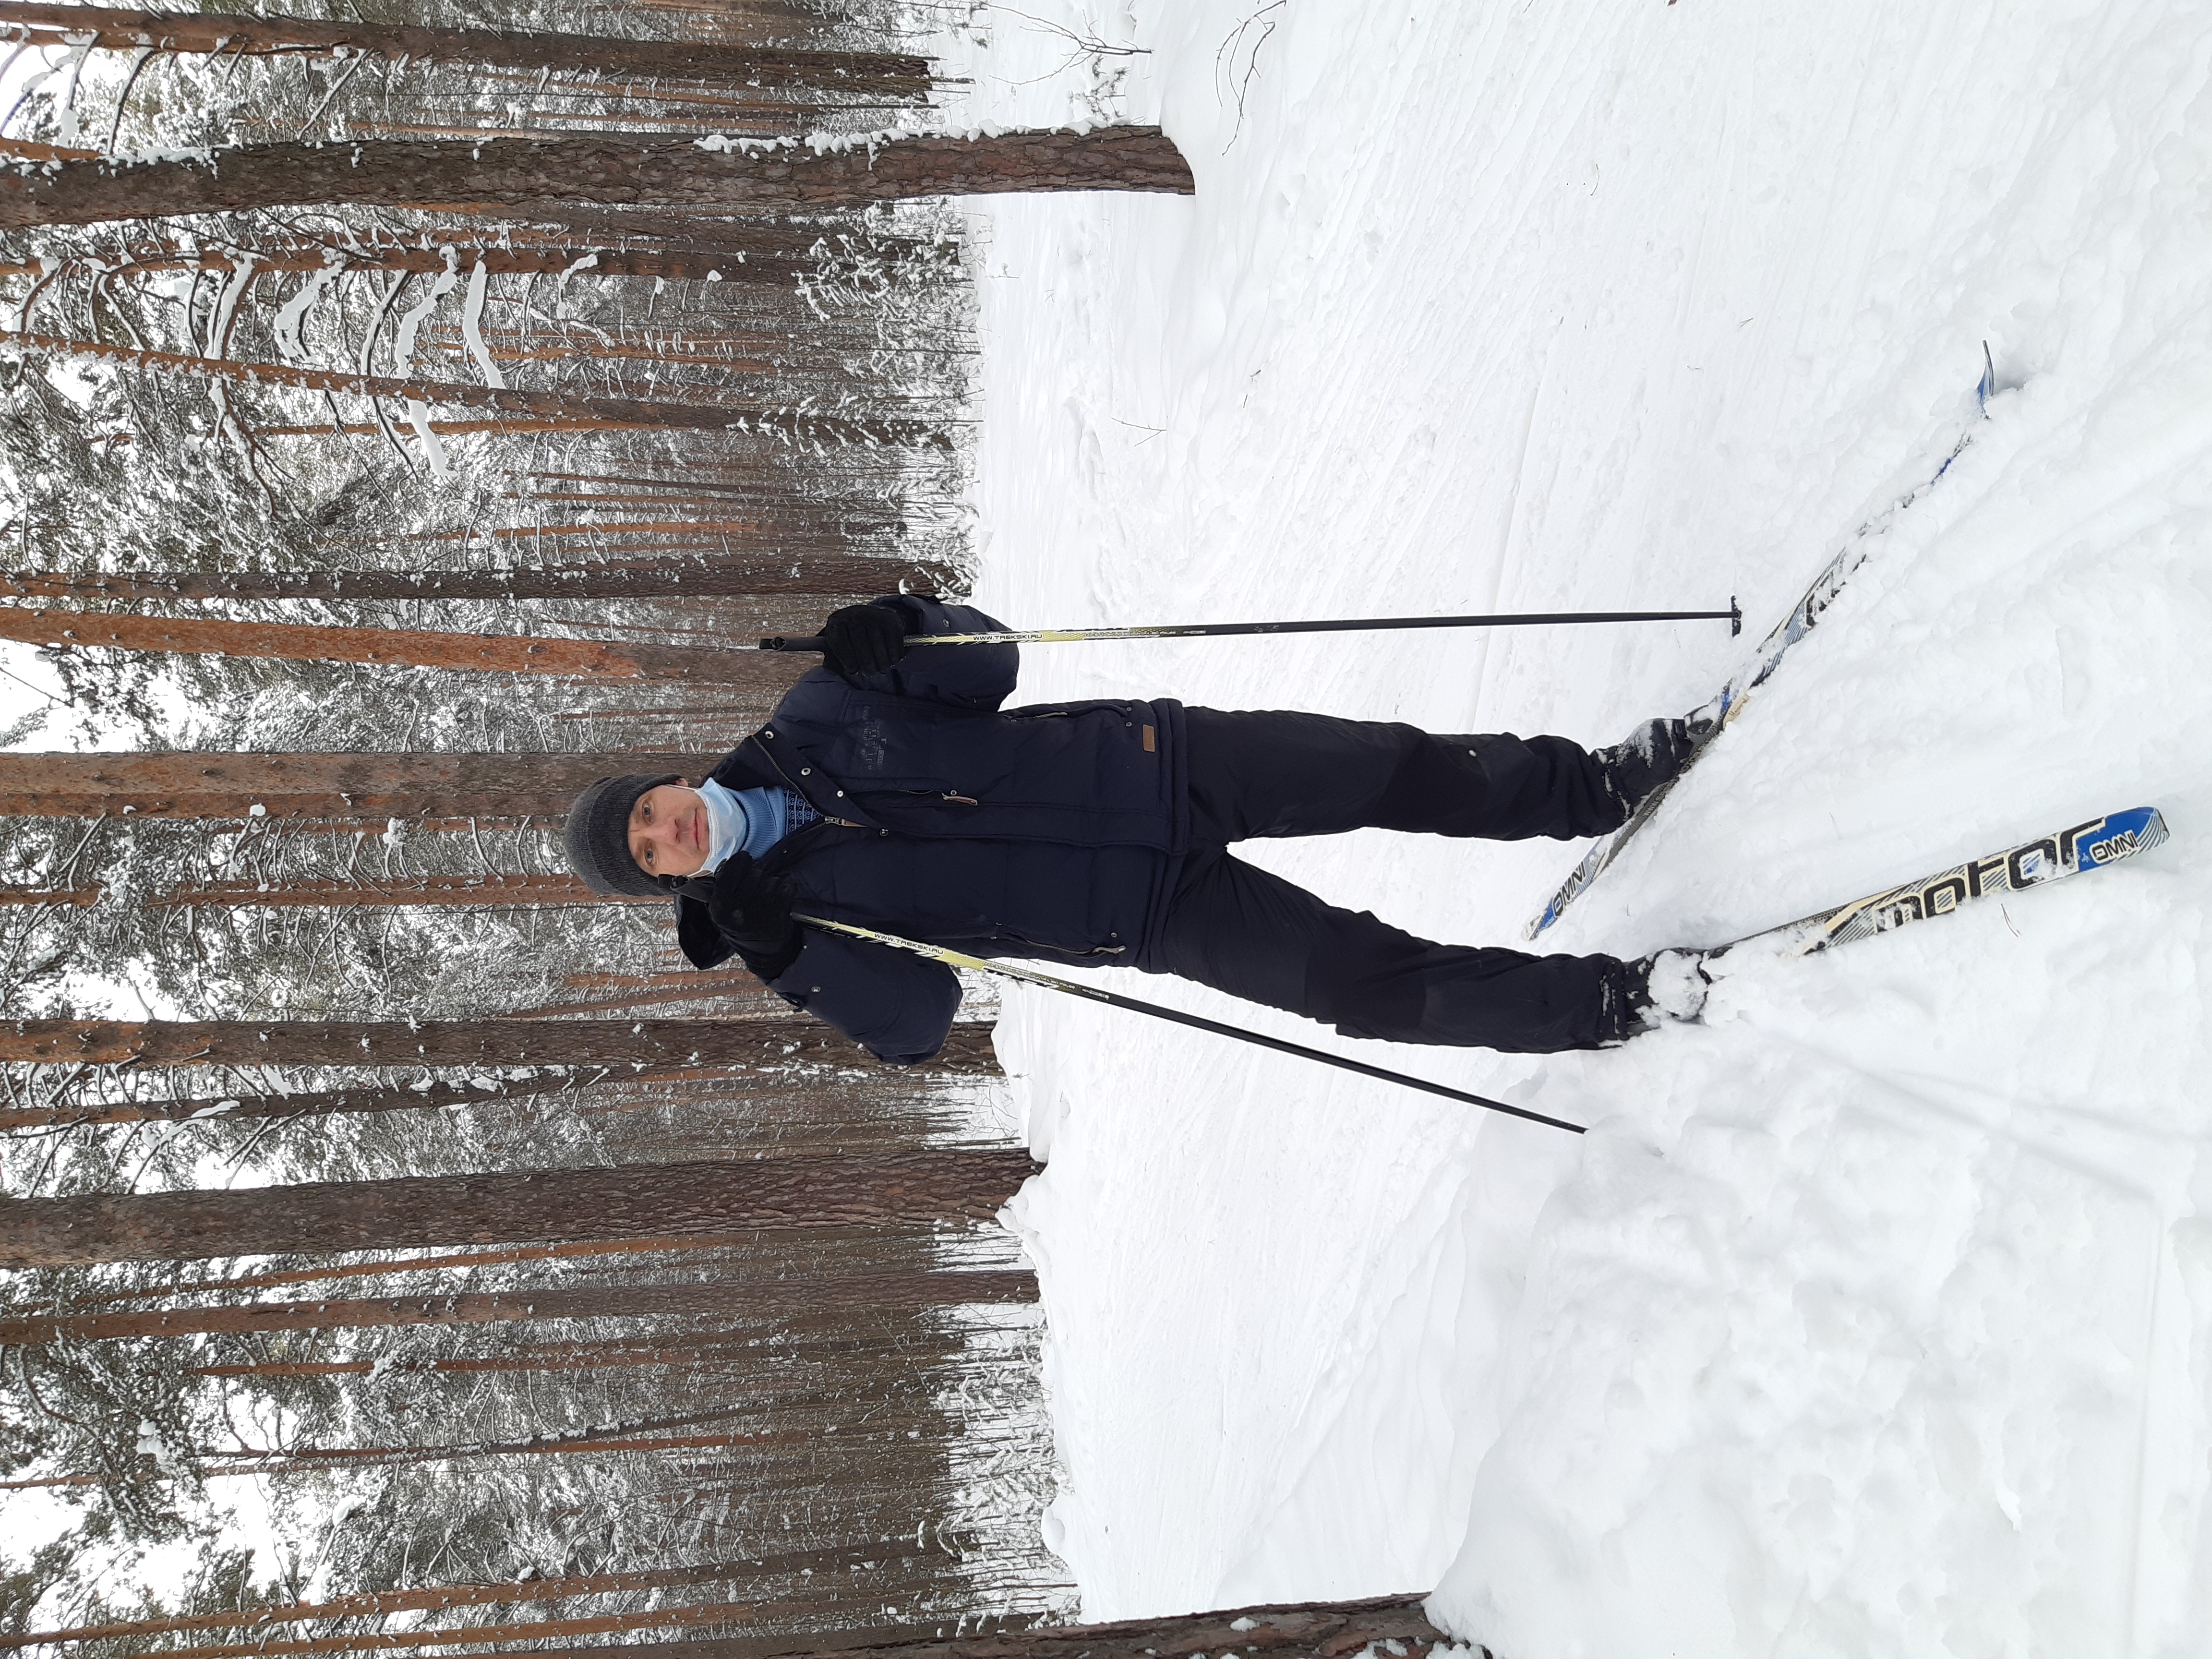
(2119,835)
(1736,617)
(1988,382)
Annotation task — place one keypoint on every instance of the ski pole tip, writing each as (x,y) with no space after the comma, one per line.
(1736,617)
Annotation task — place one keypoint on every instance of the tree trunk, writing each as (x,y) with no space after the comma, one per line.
(500,654)
(539,1629)
(241,34)
(77,898)
(764,1298)
(769,1042)
(820,575)
(1311,1630)
(740,1346)
(919,1187)
(780,1042)
(394,1267)
(628,412)
(556,179)
(239,784)
(384,1603)
(696,987)
(319,1102)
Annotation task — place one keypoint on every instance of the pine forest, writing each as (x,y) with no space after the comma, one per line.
(412,408)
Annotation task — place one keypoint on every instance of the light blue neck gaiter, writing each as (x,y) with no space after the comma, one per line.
(749,821)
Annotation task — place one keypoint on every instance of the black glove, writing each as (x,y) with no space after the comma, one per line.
(753,912)
(864,639)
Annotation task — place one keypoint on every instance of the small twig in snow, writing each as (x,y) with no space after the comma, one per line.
(1224,60)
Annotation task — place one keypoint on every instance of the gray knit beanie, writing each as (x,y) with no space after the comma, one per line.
(596,836)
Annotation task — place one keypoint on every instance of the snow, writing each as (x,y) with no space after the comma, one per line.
(472,306)
(1874,1315)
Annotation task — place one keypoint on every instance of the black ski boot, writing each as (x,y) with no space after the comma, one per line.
(1655,754)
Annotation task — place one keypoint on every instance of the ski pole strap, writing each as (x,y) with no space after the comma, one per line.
(1733,616)
(1027,977)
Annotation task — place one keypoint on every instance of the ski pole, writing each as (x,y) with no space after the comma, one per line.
(957,959)
(1733,616)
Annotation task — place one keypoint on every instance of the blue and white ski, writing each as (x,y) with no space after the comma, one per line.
(1803,617)
(2073,851)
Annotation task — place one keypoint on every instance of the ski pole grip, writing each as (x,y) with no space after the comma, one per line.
(811,642)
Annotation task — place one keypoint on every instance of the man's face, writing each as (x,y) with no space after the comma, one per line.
(668,830)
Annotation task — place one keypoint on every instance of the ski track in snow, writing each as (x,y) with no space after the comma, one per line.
(1875,1317)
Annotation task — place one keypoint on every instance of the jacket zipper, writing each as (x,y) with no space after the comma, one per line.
(825,817)
(1062,950)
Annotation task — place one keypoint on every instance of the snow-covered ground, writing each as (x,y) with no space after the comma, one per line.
(1876,1316)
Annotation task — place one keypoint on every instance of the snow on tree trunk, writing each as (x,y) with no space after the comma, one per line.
(552,178)
(922,1186)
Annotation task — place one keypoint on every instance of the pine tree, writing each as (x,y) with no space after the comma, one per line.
(816,575)
(248,785)
(730,1298)
(771,1194)
(876,75)
(559,179)
(786,424)
(768,1041)
(508,654)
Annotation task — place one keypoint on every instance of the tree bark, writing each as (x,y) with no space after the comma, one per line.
(556,179)
(826,575)
(712,1613)
(921,1187)
(626,411)
(76,898)
(1311,1630)
(242,34)
(770,1042)
(498,653)
(232,784)
(696,987)
(383,1603)
(902,1292)
(320,1103)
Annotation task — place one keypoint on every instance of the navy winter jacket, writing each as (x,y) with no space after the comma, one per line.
(1052,832)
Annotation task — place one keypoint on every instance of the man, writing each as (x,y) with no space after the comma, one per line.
(891,790)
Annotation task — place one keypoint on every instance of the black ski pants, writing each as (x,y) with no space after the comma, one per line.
(1237,928)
